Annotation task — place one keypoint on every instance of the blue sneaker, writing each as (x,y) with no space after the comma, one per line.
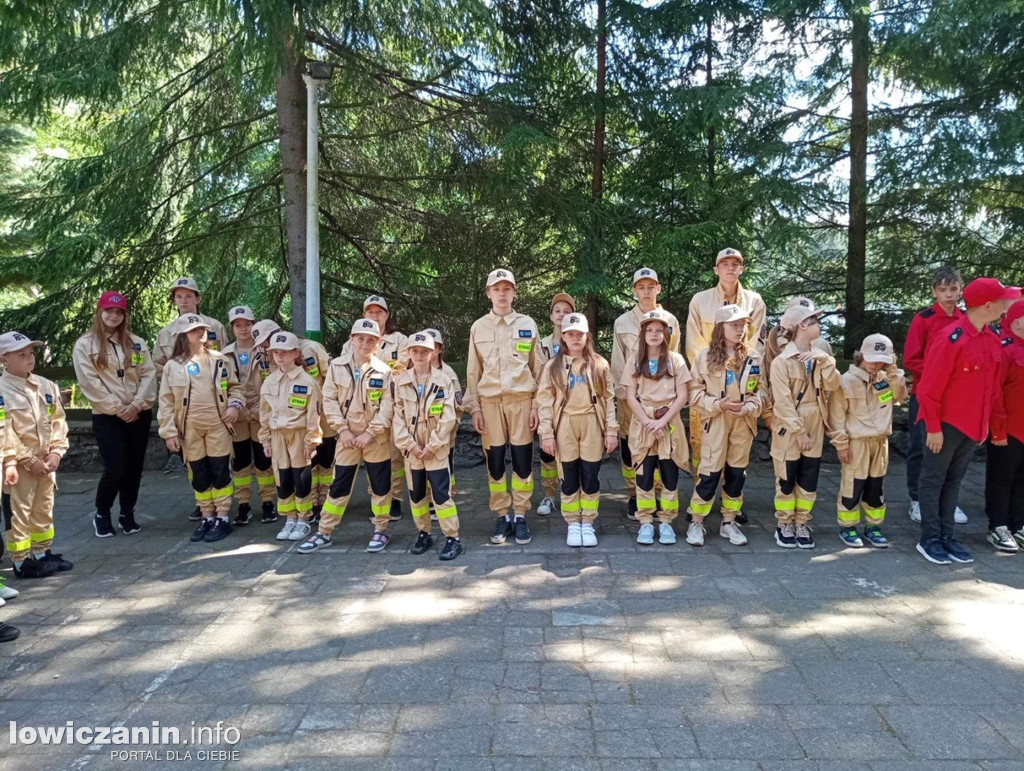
(850,537)
(874,537)
(956,551)
(933,551)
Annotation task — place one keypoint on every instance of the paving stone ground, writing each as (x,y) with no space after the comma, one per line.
(536,657)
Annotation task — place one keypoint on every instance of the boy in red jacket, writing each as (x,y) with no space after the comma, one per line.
(1004,473)
(959,396)
(946,288)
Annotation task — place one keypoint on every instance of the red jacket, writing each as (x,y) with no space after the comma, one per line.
(923,329)
(1013,391)
(960,384)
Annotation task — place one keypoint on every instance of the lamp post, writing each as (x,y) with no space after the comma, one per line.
(317,73)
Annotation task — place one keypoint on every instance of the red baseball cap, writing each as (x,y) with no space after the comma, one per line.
(113,300)
(988,290)
(1016,311)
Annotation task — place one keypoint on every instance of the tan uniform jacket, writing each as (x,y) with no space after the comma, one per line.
(248,375)
(749,386)
(165,340)
(314,360)
(504,358)
(176,385)
(579,396)
(290,401)
(700,321)
(34,416)
(862,407)
(426,420)
(795,392)
(649,391)
(8,453)
(359,400)
(128,379)
(549,347)
(459,410)
(393,350)
(625,344)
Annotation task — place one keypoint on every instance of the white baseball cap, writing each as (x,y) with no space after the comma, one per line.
(375,299)
(366,327)
(729,313)
(878,348)
(187,322)
(241,312)
(643,273)
(283,341)
(797,314)
(728,253)
(15,341)
(436,334)
(263,329)
(422,340)
(498,275)
(575,322)
(655,315)
(185,282)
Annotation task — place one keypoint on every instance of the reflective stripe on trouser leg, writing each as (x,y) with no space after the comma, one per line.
(440,485)
(549,475)
(589,503)
(242,479)
(704,493)
(874,498)
(31,510)
(804,504)
(785,490)
(645,502)
(624,416)
(570,507)
(397,473)
(419,505)
(222,499)
(286,506)
(731,507)
(874,516)
(331,516)
(495,442)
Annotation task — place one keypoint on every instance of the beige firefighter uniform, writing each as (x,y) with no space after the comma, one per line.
(667,454)
(860,419)
(800,406)
(36,427)
(128,379)
(728,437)
(502,370)
(194,395)
(578,417)
(164,347)
(624,345)
(549,348)
(248,462)
(424,417)
(358,399)
(290,428)
(315,361)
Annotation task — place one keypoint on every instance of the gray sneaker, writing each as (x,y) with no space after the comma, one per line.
(646,534)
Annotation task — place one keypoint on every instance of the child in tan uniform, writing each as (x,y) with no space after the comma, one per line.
(550,346)
(200,400)
(422,430)
(860,423)
(39,435)
(577,424)
(290,432)
(359,406)
(656,381)
(801,378)
(728,391)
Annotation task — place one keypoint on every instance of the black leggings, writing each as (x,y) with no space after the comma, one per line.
(122,448)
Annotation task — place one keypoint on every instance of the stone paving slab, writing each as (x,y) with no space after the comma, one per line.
(722,658)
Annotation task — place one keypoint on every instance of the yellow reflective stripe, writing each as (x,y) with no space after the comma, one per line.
(222,492)
(207,496)
(670,505)
(804,505)
(589,505)
(642,503)
(571,506)
(265,480)
(549,473)
(398,475)
(496,487)
(628,473)
(421,511)
(245,481)
(45,535)
(732,504)
(700,509)
(518,484)
(14,546)
(875,513)
(284,507)
(445,512)
(334,508)
(323,479)
(785,505)
(848,517)
(304,506)
(381,511)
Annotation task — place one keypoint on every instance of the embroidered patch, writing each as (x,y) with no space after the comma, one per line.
(138,359)
(755,370)
(264,373)
(243,359)
(437,409)
(394,356)
(730,377)
(439,394)
(575,380)
(3,414)
(375,395)
(652,366)
(376,382)
(524,347)
(192,369)
(298,401)
(137,346)
(555,349)
(313,372)
(49,398)
(957,334)
(752,384)
(211,335)
(885,398)
(300,389)
(458,398)
(526,333)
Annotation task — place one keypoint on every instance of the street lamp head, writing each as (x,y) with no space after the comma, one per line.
(320,70)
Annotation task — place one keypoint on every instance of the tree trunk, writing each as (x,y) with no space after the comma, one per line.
(708,72)
(291,125)
(857,234)
(597,186)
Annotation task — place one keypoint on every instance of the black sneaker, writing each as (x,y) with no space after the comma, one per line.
(742,519)
(33,568)
(631,508)
(423,542)
(8,633)
(244,515)
(523,536)
(502,530)
(221,529)
(58,560)
(933,551)
(804,539)
(314,518)
(195,515)
(452,548)
(785,535)
(102,526)
(956,551)
(205,527)
(396,510)
(128,523)
(269,513)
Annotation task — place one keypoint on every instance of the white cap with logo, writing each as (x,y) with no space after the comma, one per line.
(878,348)
(422,340)
(263,329)
(241,312)
(187,322)
(436,334)
(729,313)
(185,282)
(648,273)
(375,299)
(499,275)
(575,322)
(366,327)
(15,341)
(727,254)
(655,315)
(283,341)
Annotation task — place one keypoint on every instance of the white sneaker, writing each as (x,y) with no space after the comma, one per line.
(666,533)
(286,532)
(960,516)
(546,506)
(2,602)
(734,533)
(646,534)
(574,537)
(299,531)
(695,534)
(588,534)
(915,511)
(7,592)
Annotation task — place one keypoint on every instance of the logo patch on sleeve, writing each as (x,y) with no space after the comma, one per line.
(376,382)
(137,346)
(310,361)
(300,389)
(526,333)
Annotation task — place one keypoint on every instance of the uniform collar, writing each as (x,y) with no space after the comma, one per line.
(508,318)
(639,314)
(739,293)
(940,311)
(860,374)
(294,374)
(790,351)
(21,382)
